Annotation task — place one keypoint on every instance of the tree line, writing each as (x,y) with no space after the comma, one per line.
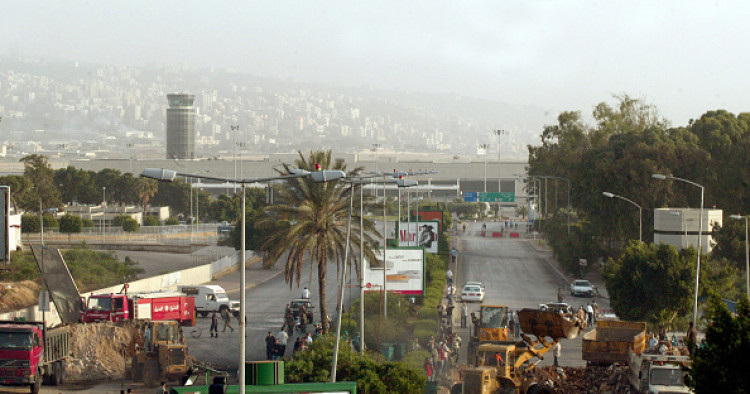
(619,153)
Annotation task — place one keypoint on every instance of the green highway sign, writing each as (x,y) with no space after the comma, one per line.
(497,197)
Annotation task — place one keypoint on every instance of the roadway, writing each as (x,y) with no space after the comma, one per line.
(518,275)
(267,295)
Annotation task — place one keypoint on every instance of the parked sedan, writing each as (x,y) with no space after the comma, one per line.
(472,293)
(581,287)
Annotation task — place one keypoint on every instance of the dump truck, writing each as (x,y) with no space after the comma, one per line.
(612,340)
(657,373)
(490,327)
(31,355)
(116,307)
(506,367)
(163,356)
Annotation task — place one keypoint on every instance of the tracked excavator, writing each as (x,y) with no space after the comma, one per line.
(506,367)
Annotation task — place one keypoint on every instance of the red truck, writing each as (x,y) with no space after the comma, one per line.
(29,354)
(153,306)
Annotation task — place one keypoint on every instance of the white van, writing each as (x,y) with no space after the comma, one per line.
(210,298)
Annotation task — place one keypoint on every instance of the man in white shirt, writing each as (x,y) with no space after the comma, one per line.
(449,277)
(283,338)
(306,293)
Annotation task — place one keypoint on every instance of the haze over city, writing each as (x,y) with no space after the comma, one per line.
(491,66)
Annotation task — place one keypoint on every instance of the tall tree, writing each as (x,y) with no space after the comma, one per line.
(317,214)
(651,283)
(39,172)
(145,189)
(720,364)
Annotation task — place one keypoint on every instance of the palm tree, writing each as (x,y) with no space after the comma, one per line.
(317,214)
(145,189)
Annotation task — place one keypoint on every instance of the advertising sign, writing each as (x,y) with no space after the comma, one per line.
(404,273)
(424,234)
(428,215)
(489,197)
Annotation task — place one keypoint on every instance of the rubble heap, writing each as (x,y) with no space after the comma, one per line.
(101,350)
(593,380)
(17,295)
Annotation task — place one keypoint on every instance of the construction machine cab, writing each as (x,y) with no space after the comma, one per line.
(493,323)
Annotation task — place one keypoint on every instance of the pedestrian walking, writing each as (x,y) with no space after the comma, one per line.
(691,338)
(277,350)
(282,337)
(454,254)
(214,330)
(556,352)
(464,228)
(589,314)
(227,320)
(428,369)
(449,277)
(464,311)
(559,294)
(297,345)
(309,339)
(270,340)
(441,358)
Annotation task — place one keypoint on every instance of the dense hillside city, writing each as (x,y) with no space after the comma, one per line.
(106,111)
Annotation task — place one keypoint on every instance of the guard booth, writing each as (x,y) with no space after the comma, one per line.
(268,377)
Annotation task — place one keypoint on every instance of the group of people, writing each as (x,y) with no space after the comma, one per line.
(674,345)
(443,354)
(226,317)
(276,345)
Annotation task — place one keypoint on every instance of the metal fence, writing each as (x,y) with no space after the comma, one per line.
(202,234)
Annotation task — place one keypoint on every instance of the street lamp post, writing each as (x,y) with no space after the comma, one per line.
(747,252)
(485,147)
(319,176)
(498,133)
(700,237)
(234,128)
(640,212)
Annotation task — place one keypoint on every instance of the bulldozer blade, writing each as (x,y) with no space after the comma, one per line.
(549,324)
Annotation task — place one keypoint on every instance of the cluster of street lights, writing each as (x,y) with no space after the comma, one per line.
(397,177)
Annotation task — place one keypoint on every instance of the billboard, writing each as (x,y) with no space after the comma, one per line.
(404,273)
(4,224)
(423,233)
(429,215)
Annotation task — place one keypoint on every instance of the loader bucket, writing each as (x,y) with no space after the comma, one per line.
(549,324)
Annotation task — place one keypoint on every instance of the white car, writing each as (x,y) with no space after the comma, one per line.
(581,287)
(475,284)
(472,292)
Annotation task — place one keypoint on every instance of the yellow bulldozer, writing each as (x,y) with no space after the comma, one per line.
(163,355)
(491,326)
(506,366)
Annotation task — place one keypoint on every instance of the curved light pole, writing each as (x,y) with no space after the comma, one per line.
(640,212)
(485,147)
(700,237)
(747,252)
(166,175)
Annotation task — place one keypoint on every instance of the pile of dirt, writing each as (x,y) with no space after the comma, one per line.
(612,379)
(18,295)
(102,350)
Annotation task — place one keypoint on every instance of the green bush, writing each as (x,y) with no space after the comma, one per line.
(150,220)
(172,221)
(88,223)
(71,224)
(30,224)
(130,225)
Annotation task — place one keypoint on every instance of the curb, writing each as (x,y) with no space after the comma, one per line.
(547,260)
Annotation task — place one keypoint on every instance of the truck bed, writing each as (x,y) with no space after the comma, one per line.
(611,341)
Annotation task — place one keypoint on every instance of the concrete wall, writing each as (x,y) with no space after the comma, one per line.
(160,283)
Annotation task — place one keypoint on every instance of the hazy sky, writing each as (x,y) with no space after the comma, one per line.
(685,57)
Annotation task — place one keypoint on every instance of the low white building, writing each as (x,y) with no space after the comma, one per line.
(679,227)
